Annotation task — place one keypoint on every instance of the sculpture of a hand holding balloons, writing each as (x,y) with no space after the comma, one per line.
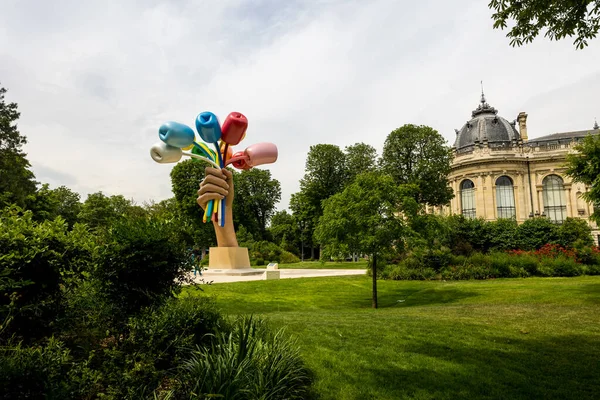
(176,137)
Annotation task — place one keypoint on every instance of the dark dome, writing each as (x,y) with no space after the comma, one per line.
(486,128)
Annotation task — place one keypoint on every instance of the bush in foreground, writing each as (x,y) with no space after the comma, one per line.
(250,362)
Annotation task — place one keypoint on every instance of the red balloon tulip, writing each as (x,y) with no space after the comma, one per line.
(234,128)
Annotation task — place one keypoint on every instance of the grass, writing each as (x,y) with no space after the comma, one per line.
(534,338)
(328,265)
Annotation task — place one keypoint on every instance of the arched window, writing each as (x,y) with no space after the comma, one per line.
(505,198)
(467,198)
(555,206)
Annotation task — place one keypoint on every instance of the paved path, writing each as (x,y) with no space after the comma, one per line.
(285,274)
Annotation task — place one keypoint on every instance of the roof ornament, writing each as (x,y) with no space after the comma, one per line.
(484,107)
(596,124)
(482,95)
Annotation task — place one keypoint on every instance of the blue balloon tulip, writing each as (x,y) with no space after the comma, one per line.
(176,134)
(208,127)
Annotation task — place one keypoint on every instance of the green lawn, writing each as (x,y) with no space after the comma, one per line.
(534,338)
(318,265)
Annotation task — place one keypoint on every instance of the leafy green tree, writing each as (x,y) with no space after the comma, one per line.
(256,194)
(305,212)
(360,158)
(43,203)
(364,218)
(325,171)
(584,167)
(17,182)
(68,204)
(559,18)
(99,211)
(47,204)
(185,182)
(285,231)
(418,155)
(325,174)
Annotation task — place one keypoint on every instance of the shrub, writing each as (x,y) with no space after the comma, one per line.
(501,234)
(136,361)
(402,272)
(139,265)
(563,266)
(288,258)
(251,362)
(34,372)
(36,259)
(536,232)
(574,230)
(467,271)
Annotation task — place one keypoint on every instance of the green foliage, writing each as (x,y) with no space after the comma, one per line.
(359,158)
(288,258)
(256,194)
(285,230)
(584,166)
(140,264)
(502,234)
(325,174)
(363,218)
(551,260)
(536,232)
(575,231)
(560,19)
(36,259)
(251,362)
(99,211)
(155,342)
(34,372)
(418,155)
(17,182)
(185,182)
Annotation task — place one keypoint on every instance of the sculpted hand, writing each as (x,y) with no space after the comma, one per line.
(217,184)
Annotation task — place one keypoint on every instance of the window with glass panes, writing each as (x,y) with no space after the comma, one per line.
(467,198)
(555,205)
(505,198)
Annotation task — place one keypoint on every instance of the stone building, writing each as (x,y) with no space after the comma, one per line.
(498,172)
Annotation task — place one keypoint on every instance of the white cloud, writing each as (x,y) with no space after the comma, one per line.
(94,80)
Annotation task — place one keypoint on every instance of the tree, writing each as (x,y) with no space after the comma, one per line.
(364,218)
(560,19)
(47,204)
(256,194)
(100,211)
(185,182)
(418,155)
(305,213)
(584,167)
(16,180)
(285,231)
(360,157)
(68,204)
(325,174)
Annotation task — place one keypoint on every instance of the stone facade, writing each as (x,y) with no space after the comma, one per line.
(498,172)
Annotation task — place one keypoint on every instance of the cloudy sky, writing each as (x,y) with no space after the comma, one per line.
(95,79)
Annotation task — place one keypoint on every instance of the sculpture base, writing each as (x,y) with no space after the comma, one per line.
(230,261)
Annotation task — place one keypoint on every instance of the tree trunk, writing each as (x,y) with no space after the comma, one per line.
(374,270)
(312,252)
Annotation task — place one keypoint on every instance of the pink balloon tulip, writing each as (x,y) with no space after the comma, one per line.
(261,153)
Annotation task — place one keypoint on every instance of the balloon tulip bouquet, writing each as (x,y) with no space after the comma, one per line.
(176,137)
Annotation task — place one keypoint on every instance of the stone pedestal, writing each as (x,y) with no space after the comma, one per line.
(230,261)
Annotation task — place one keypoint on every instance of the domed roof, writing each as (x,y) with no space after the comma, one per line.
(486,128)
